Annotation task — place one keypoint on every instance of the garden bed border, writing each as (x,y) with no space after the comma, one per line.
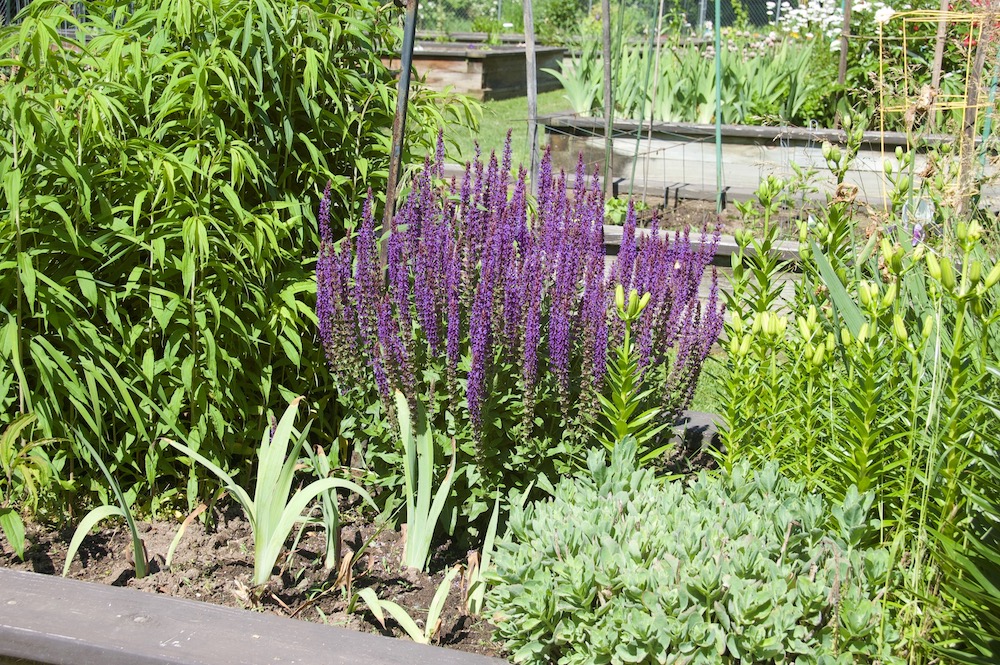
(49,620)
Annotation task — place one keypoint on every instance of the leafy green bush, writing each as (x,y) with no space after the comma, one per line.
(875,374)
(157,229)
(742,568)
(972,568)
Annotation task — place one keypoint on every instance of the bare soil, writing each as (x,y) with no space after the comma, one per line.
(214,565)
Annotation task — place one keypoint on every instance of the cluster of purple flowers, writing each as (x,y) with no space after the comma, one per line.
(472,277)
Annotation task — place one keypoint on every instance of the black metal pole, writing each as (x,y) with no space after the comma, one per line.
(399,122)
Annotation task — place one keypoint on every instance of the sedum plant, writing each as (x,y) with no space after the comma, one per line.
(274,508)
(746,567)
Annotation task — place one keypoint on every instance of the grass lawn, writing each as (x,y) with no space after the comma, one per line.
(498,117)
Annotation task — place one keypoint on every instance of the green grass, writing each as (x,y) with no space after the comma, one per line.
(707,394)
(497,118)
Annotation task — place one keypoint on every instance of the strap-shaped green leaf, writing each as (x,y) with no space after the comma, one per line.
(843,304)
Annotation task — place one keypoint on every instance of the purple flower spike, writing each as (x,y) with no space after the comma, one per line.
(476,280)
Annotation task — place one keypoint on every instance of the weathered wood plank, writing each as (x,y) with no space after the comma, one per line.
(55,621)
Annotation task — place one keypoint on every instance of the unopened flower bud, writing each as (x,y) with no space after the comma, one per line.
(928,327)
(899,328)
(993,277)
(831,342)
(865,293)
(817,358)
(863,333)
(886,248)
(896,260)
(975,231)
(745,346)
(899,152)
(643,301)
(947,274)
(890,296)
(633,303)
(804,328)
(975,271)
(933,266)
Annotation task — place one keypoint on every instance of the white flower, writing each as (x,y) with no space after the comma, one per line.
(883,15)
(835,46)
(508,25)
(769,4)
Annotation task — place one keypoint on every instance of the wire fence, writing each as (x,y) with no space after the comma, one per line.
(9,9)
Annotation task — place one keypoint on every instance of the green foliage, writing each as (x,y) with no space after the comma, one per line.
(274,509)
(329,507)
(973,567)
(739,569)
(871,375)
(25,474)
(474,580)
(761,83)
(556,21)
(622,415)
(432,624)
(123,510)
(159,167)
(422,515)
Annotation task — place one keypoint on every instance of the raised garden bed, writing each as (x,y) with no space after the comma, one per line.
(681,157)
(482,71)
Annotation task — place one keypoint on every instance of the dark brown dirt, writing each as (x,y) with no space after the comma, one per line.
(215,565)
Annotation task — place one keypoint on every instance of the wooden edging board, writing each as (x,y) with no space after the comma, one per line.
(735,133)
(55,621)
(788,250)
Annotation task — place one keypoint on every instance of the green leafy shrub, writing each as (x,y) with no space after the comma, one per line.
(739,569)
(972,568)
(875,373)
(158,169)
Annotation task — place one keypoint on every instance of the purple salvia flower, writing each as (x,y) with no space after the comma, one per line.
(439,155)
(325,274)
